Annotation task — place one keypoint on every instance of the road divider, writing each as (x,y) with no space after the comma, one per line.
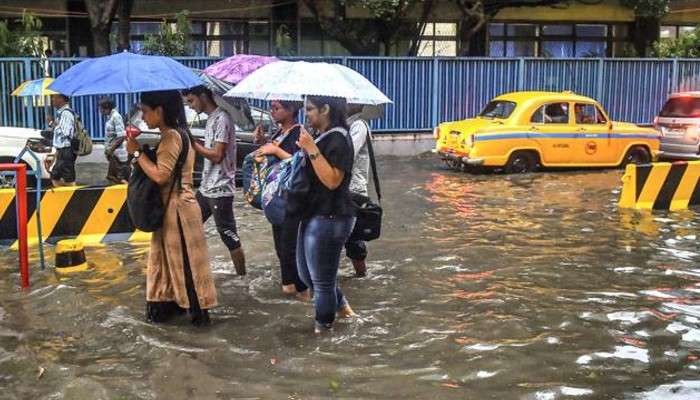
(661,186)
(93,214)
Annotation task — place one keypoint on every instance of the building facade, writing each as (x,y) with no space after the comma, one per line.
(288,28)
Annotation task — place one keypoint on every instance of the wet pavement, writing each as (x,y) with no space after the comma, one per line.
(482,287)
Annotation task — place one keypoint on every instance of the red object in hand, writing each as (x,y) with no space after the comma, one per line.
(132,131)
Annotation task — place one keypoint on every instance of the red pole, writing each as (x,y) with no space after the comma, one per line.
(22,224)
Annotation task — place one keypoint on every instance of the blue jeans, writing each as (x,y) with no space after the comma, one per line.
(319,245)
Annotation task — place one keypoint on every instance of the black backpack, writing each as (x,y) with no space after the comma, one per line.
(143,200)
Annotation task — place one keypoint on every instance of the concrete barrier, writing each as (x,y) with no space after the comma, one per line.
(661,186)
(94,214)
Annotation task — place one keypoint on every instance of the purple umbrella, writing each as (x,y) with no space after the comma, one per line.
(235,68)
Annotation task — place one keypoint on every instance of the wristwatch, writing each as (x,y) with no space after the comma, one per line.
(314,156)
(135,156)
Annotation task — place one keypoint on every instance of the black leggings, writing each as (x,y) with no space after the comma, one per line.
(285,237)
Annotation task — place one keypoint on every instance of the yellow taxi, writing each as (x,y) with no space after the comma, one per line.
(522,131)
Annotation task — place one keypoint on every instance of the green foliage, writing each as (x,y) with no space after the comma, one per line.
(170,42)
(685,46)
(284,44)
(382,9)
(648,8)
(22,40)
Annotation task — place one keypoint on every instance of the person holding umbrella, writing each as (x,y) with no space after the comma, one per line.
(329,218)
(178,275)
(215,194)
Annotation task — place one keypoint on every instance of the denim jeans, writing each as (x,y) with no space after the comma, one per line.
(320,242)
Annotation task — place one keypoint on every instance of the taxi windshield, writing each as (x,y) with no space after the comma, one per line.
(498,109)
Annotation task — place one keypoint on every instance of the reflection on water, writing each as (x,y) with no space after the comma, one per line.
(489,286)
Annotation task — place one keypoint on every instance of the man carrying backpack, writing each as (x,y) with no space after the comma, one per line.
(215,195)
(63,171)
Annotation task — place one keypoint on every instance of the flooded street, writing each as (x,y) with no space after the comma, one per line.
(482,287)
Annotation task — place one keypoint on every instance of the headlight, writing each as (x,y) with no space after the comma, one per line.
(468,140)
(38,146)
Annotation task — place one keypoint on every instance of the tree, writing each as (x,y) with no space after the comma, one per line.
(22,40)
(685,46)
(389,21)
(101,14)
(170,41)
(475,17)
(648,14)
(124,13)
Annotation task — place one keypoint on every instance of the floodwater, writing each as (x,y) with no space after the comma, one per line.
(482,287)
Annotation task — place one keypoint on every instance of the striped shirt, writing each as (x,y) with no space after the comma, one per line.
(64,128)
(114,128)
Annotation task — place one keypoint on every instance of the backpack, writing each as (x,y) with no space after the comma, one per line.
(81,142)
(145,206)
(287,186)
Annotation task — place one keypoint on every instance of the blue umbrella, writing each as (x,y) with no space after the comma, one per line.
(124,73)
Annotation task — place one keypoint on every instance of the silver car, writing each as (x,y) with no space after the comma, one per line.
(679,125)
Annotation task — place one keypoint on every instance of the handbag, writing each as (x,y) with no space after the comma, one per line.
(368,223)
(143,200)
(286,188)
(253,174)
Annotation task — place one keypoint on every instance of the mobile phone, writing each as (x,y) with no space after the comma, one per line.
(132,131)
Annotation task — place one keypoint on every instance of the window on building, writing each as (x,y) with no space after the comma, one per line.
(210,38)
(438,39)
(555,40)
(675,31)
(513,40)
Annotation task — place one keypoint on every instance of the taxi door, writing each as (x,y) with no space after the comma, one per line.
(551,130)
(594,142)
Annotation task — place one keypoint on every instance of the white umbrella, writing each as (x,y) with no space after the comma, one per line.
(294,80)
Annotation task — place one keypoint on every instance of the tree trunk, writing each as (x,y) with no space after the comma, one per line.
(101,14)
(124,39)
(472,38)
(100,40)
(646,32)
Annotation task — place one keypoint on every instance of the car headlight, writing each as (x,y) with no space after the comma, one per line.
(38,146)
(468,140)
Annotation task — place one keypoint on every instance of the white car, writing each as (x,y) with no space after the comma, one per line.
(14,140)
(679,124)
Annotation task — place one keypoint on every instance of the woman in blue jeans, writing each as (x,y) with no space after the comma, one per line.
(328,221)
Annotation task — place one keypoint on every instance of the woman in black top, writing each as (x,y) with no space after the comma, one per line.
(329,217)
(283,144)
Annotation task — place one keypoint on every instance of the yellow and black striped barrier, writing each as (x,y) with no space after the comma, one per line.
(93,214)
(661,186)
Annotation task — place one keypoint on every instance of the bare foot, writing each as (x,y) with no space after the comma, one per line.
(346,312)
(289,289)
(305,295)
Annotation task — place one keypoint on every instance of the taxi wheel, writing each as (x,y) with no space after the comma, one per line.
(453,164)
(521,162)
(636,155)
